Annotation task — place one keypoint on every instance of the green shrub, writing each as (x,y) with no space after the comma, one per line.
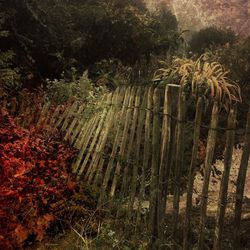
(82,89)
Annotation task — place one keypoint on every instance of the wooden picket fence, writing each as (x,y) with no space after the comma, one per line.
(132,148)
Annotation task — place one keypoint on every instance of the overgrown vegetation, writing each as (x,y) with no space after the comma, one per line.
(59,52)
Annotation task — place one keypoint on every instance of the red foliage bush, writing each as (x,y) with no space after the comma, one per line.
(34,173)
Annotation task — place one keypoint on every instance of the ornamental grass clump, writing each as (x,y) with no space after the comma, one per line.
(201,77)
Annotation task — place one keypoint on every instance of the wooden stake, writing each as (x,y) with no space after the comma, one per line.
(123,142)
(191,174)
(147,148)
(164,159)
(179,158)
(125,176)
(115,146)
(114,112)
(137,142)
(225,179)
(73,123)
(154,183)
(208,163)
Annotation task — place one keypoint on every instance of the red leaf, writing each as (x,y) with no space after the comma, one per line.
(21,233)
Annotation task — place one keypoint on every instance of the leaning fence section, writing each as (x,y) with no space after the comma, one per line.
(133,149)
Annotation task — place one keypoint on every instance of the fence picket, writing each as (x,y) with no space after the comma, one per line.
(70,115)
(73,123)
(164,169)
(128,160)
(137,141)
(208,163)
(146,150)
(81,143)
(115,145)
(109,124)
(89,173)
(222,203)
(121,154)
(179,158)
(86,139)
(154,182)
(93,166)
(42,118)
(191,173)
(63,116)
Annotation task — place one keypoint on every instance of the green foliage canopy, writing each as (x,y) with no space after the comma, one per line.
(64,34)
(210,38)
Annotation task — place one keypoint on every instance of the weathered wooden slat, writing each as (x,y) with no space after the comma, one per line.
(73,123)
(128,158)
(121,155)
(96,154)
(115,144)
(191,173)
(55,116)
(89,133)
(179,158)
(42,119)
(99,174)
(154,182)
(222,204)
(70,115)
(110,121)
(241,180)
(146,150)
(137,141)
(83,135)
(81,143)
(208,163)
(164,169)
(85,131)
(82,124)
(62,117)
(90,171)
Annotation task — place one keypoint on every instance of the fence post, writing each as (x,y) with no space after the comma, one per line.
(241,183)
(191,174)
(208,163)
(155,169)
(179,156)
